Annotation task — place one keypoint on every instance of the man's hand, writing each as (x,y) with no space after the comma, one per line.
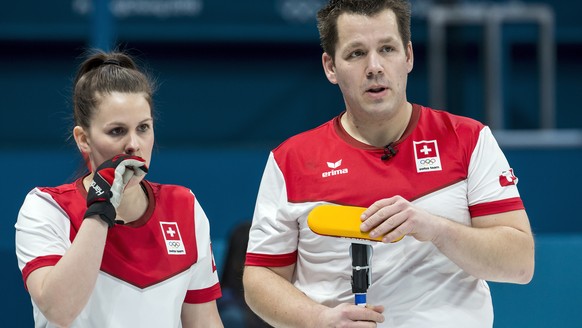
(395,217)
(350,315)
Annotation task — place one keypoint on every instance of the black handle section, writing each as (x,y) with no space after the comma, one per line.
(360,268)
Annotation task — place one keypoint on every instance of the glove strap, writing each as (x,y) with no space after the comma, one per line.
(104,210)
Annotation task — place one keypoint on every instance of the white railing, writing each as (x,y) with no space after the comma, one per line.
(492,17)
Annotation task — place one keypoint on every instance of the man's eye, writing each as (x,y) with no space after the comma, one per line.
(356,54)
(387,49)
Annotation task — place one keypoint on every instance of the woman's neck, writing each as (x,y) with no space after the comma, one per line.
(133,204)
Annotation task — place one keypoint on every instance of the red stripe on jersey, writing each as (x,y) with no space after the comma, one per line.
(139,255)
(326,164)
(203,295)
(500,206)
(136,252)
(37,263)
(279,260)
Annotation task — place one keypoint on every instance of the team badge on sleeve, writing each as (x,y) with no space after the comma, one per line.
(507,178)
(172,237)
(426,155)
(213,262)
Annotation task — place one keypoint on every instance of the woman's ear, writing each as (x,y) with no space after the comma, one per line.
(82,139)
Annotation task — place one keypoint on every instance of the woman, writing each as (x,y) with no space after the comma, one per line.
(112,249)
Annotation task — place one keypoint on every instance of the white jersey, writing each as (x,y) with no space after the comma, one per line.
(448,165)
(150,267)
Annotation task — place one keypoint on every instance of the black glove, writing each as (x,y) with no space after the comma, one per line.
(109,181)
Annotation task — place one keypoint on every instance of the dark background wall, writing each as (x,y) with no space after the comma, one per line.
(235,80)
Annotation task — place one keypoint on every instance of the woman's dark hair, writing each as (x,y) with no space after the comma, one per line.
(103,73)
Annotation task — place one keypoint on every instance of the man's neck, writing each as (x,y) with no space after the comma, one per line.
(378,132)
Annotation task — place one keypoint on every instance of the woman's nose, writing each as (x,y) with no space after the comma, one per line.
(132,145)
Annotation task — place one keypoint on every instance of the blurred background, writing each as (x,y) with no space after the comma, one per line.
(236,78)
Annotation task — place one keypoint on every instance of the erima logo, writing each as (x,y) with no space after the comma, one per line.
(335,170)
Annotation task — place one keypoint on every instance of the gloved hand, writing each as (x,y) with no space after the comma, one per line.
(109,181)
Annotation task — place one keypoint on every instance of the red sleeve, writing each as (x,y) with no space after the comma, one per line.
(280,260)
(496,207)
(39,262)
(203,295)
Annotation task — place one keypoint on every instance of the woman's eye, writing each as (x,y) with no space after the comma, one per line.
(143,127)
(116,131)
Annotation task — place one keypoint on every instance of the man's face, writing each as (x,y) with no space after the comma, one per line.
(371,64)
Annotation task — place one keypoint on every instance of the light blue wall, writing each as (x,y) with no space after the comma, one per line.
(552,299)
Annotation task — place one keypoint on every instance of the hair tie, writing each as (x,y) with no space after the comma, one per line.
(112,62)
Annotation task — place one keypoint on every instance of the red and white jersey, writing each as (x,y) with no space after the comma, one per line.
(150,266)
(450,166)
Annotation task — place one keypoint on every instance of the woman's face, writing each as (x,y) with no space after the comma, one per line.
(121,124)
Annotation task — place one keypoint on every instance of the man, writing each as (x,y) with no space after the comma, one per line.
(438,179)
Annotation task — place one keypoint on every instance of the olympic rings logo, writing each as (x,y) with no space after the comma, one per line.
(174,244)
(428,161)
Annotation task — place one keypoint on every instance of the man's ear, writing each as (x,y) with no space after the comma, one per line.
(82,139)
(409,56)
(329,67)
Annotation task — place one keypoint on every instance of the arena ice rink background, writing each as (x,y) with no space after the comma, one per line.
(238,77)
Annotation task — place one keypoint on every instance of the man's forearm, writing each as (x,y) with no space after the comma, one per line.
(495,253)
(276,300)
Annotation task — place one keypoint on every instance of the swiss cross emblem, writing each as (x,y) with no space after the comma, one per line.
(213,262)
(172,238)
(507,178)
(426,156)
